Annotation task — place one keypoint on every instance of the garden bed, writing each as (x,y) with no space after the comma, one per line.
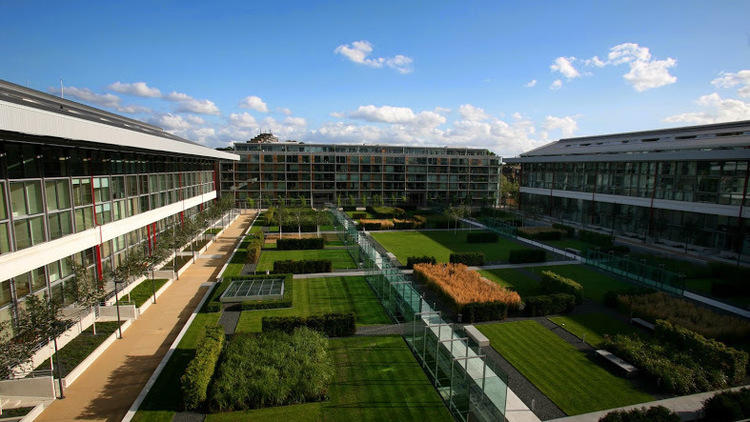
(78,349)
(177,263)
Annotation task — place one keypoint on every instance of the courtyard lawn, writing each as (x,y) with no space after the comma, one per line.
(570,243)
(340,258)
(514,279)
(377,378)
(324,295)
(441,244)
(593,326)
(144,291)
(595,284)
(573,382)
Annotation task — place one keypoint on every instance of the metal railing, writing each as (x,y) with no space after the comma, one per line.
(458,368)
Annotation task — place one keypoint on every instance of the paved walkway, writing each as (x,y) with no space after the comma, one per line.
(107,389)
(688,407)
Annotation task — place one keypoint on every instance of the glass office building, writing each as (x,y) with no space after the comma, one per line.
(324,174)
(674,186)
(78,182)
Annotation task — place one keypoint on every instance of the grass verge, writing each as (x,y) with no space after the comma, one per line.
(593,326)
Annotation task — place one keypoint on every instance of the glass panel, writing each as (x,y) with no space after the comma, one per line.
(22,285)
(3,212)
(4,292)
(36,226)
(34,196)
(38,280)
(82,191)
(53,270)
(4,238)
(17,199)
(23,237)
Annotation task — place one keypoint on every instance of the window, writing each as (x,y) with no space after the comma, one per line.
(58,195)
(28,232)
(26,198)
(21,284)
(103,213)
(4,292)
(4,238)
(101,189)
(82,191)
(3,212)
(84,219)
(59,225)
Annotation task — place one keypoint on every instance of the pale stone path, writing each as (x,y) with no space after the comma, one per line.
(107,389)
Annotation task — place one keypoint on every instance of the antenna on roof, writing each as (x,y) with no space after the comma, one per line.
(62,93)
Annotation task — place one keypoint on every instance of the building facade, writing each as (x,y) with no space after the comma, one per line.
(81,183)
(683,186)
(328,174)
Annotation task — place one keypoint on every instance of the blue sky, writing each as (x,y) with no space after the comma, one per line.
(433,73)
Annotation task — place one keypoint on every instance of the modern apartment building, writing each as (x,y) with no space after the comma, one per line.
(677,186)
(78,182)
(323,173)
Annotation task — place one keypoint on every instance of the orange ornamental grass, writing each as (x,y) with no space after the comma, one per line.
(384,224)
(464,285)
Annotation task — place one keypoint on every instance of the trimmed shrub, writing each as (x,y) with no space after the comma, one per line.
(569,230)
(475,259)
(304,228)
(298,244)
(410,261)
(708,352)
(194,381)
(272,369)
(555,283)
(333,325)
(403,224)
(349,207)
(386,212)
(359,214)
(481,237)
(540,233)
(521,256)
(728,406)
(652,414)
(601,240)
(302,266)
(555,303)
(610,298)
(252,254)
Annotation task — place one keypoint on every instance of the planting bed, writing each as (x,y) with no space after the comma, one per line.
(81,347)
(144,291)
(593,326)
(340,258)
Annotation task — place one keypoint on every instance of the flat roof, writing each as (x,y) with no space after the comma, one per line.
(34,112)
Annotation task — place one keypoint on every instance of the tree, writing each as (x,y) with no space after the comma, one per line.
(321,218)
(133,265)
(83,289)
(452,214)
(251,203)
(338,201)
(508,190)
(298,218)
(157,255)
(302,201)
(352,201)
(282,216)
(364,200)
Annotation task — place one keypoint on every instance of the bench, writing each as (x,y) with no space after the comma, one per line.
(642,323)
(628,369)
(477,336)
(573,251)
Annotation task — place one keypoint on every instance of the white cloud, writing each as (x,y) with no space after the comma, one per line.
(383,114)
(139,89)
(195,120)
(644,73)
(244,120)
(170,122)
(556,84)
(254,103)
(566,124)
(530,84)
(719,110)
(186,103)
(564,65)
(204,134)
(106,100)
(594,61)
(517,116)
(470,112)
(730,80)
(295,121)
(285,111)
(441,110)
(359,52)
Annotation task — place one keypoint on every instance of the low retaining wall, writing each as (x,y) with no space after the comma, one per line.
(109,312)
(40,387)
(90,359)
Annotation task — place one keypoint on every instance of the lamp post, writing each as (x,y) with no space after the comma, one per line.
(117,306)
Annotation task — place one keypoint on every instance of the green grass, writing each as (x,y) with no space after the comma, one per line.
(441,244)
(213,230)
(180,261)
(165,398)
(570,243)
(144,291)
(377,378)
(339,257)
(595,284)
(573,382)
(593,326)
(515,280)
(324,295)
(81,347)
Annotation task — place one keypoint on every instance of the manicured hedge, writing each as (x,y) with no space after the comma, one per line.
(728,406)
(521,256)
(296,244)
(540,233)
(303,266)
(555,283)
(569,230)
(468,258)
(481,237)
(484,311)
(372,226)
(333,325)
(404,224)
(359,214)
(410,261)
(711,353)
(194,381)
(386,212)
(349,207)
(272,369)
(601,240)
(652,414)
(304,228)
(556,303)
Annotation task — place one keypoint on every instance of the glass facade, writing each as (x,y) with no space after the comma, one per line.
(48,192)
(715,182)
(328,173)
